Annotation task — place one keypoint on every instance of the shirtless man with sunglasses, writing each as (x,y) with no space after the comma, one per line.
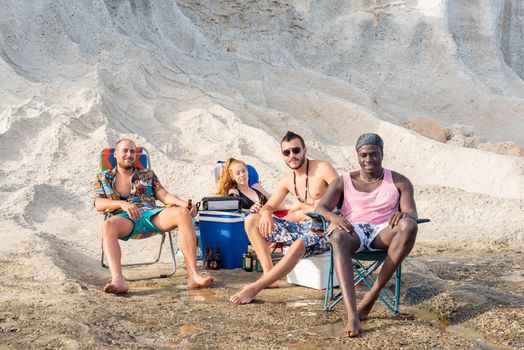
(308,181)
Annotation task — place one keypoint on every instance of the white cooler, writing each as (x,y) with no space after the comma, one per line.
(312,272)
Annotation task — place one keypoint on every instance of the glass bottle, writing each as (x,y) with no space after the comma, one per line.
(217,259)
(209,253)
(248,264)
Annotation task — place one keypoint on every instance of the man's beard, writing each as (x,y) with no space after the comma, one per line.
(124,166)
(302,160)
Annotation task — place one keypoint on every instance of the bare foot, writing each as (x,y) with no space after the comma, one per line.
(245,296)
(352,329)
(346,333)
(365,306)
(116,286)
(197,281)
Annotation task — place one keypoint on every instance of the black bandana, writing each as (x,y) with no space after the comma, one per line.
(369,139)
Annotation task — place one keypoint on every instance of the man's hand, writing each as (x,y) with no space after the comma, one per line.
(266,224)
(131,209)
(396,217)
(193,211)
(340,223)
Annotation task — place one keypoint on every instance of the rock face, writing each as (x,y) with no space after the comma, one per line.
(197,81)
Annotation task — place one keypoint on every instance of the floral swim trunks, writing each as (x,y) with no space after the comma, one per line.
(288,232)
(367,233)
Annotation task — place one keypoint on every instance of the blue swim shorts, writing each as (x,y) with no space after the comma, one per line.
(288,232)
(143,225)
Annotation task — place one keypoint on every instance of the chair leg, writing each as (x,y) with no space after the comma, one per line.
(173,253)
(200,256)
(102,254)
(173,256)
(365,276)
(150,262)
(398,279)
(385,297)
(329,288)
(331,299)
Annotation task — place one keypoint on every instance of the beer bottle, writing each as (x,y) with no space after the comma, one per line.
(248,264)
(213,265)
(255,260)
(209,254)
(189,204)
(217,258)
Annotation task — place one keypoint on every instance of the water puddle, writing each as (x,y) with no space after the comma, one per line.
(301,303)
(333,330)
(202,295)
(257,334)
(308,313)
(190,329)
(144,285)
(455,330)
(326,330)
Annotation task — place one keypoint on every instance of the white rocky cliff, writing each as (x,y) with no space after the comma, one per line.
(197,81)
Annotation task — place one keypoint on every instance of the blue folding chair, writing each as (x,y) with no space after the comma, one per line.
(364,264)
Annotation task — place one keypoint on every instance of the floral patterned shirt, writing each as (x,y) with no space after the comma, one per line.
(144,186)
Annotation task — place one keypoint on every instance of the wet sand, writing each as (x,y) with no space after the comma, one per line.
(450,300)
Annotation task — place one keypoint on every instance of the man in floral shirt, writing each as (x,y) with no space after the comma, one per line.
(131,194)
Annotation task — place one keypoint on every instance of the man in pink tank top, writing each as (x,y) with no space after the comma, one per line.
(378,212)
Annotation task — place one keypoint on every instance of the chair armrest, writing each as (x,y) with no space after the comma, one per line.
(319,218)
(322,219)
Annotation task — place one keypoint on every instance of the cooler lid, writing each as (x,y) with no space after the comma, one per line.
(220,216)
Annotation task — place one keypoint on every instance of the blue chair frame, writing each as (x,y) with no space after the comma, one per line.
(364,264)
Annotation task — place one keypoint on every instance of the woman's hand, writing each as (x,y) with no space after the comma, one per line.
(255,208)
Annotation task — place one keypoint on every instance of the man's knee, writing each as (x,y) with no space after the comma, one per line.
(179,213)
(408,229)
(110,228)
(343,240)
(299,245)
(251,221)
(297,249)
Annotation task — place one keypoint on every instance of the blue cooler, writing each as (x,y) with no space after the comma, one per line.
(224,230)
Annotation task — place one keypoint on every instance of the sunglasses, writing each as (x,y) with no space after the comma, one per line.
(295,150)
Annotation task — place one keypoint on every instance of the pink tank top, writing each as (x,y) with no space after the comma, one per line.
(375,207)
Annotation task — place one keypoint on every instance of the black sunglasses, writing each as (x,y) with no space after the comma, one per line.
(295,150)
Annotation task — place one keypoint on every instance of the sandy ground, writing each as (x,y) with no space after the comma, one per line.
(450,300)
